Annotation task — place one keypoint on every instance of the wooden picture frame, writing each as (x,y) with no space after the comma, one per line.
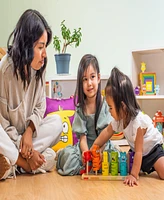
(147,83)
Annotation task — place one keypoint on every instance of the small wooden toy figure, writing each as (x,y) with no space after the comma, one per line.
(103,93)
(156,89)
(57,90)
(158,121)
(143,67)
(137,90)
(143,90)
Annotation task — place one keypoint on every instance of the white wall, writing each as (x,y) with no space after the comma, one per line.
(111,28)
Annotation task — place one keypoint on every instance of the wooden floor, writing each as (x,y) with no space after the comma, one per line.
(52,186)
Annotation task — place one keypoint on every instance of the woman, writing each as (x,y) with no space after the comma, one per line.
(25,137)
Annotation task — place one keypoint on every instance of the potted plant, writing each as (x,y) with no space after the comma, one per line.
(69,39)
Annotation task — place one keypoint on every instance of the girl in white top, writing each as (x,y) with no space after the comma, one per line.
(145,140)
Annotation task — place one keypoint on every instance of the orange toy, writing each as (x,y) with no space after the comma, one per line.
(96,159)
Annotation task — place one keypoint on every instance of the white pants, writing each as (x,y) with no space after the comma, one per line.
(48,135)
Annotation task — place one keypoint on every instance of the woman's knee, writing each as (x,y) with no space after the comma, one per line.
(55,121)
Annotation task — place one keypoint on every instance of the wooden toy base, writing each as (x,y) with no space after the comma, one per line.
(100,177)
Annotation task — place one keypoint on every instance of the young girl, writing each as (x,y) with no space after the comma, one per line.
(91,117)
(145,140)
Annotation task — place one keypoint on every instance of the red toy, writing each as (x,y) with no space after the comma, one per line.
(88,159)
(158,121)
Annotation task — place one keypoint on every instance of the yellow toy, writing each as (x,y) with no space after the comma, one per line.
(66,136)
(105,164)
(143,67)
(103,93)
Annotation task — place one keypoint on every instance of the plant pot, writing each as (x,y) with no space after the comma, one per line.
(62,63)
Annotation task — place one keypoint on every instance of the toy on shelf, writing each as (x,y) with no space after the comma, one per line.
(57,90)
(143,90)
(156,89)
(147,81)
(137,90)
(143,67)
(103,93)
(158,121)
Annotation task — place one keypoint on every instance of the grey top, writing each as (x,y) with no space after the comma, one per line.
(19,106)
(83,124)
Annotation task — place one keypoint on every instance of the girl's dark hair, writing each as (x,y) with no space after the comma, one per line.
(28,30)
(79,95)
(120,88)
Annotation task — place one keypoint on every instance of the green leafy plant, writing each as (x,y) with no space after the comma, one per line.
(68,38)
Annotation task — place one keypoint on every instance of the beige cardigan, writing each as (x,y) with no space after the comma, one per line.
(19,106)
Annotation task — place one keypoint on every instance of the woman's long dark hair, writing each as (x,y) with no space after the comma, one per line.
(120,88)
(79,95)
(28,30)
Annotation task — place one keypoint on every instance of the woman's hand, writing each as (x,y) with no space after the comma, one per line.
(26,146)
(130,180)
(36,160)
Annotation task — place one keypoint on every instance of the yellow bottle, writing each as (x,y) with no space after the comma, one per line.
(105,164)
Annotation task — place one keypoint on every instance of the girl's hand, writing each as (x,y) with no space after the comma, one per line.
(26,146)
(96,157)
(101,156)
(83,158)
(86,157)
(36,160)
(130,180)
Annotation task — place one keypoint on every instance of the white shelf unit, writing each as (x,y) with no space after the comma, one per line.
(154,59)
(67,84)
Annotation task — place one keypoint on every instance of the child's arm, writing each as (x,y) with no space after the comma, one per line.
(83,146)
(102,148)
(83,143)
(138,153)
(104,136)
(134,175)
